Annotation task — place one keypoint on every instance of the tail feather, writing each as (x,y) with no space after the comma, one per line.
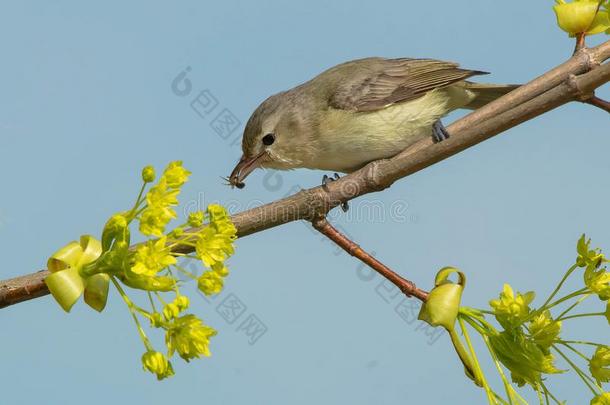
(486,93)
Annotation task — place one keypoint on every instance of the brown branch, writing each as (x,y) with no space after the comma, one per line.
(571,81)
(406,286)
(599,103)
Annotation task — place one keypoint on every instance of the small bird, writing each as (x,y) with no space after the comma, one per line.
(358,112)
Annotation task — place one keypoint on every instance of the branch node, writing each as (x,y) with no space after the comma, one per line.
(578,92)
(599,103)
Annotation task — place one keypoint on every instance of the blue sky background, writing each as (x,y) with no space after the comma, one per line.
(86,101)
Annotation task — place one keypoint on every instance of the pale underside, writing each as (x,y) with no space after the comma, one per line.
(346,143)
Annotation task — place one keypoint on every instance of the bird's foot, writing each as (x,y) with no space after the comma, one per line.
(327,179)
(439,132)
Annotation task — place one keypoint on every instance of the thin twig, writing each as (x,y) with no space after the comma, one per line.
(600,103)
(539,96)
(406,286)
(580,42)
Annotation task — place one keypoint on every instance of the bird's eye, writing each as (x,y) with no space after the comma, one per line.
(268,139)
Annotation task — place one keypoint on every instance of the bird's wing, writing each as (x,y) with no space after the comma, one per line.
(391,81)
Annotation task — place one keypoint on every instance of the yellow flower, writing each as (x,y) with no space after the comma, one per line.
(601,399)
(154,220)
(525,360)
(220,269)
(152,257)
(598,281)
(172,310)
(195,218)
(576,17)
(162,195)
(599,365)
(218,213)
(600,23)
(588,257)
(182,302)
(210,283)
(158,364)
(148,174)
(607,313)
(189,336)
(175,174)
(544,330)
(214,246)
(511,311)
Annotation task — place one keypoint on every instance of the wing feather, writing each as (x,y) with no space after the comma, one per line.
(389,81)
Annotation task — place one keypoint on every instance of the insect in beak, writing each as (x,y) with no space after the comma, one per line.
(244,167)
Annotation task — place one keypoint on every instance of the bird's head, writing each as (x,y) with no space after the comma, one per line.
(273,138)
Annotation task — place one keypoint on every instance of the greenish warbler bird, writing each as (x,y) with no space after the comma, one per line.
(358,112)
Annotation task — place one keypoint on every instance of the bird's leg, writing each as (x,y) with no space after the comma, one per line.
(439,132)
(327,179)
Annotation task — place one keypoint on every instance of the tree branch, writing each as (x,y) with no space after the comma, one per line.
(574,80)
(406,286)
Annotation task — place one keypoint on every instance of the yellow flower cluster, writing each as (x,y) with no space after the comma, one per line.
(161,198)
(214,245)
(529,337)
(511,310)
(87,268)
(189,336)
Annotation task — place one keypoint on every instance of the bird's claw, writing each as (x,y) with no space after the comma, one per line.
(439,132)
(327,179)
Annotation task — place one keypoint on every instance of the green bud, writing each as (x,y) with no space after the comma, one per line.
(443,304)
(116,229)
(176,233)
(161,283)
(148,174)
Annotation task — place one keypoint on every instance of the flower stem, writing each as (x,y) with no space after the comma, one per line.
(549,393)
(567,297)
(130,306)
(575,351)
(580,373)
(510,391)
(132,213)
(563,280)
(582,315)
(580,342)
(581,299)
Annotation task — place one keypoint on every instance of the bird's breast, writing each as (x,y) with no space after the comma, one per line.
(348,140)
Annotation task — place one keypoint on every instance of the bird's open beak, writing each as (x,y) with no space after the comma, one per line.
(244,167)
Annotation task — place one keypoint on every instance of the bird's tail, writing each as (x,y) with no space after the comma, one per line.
(486,93)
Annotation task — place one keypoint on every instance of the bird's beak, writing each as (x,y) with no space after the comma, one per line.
(244,167)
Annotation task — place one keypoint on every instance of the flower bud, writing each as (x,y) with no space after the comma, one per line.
(195,219)
(116,229)
(148,174)
(158,364)
(171,311)
(182,302)
(576,17)
(443,303)
(176,233)
(599,365)
(161,283)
